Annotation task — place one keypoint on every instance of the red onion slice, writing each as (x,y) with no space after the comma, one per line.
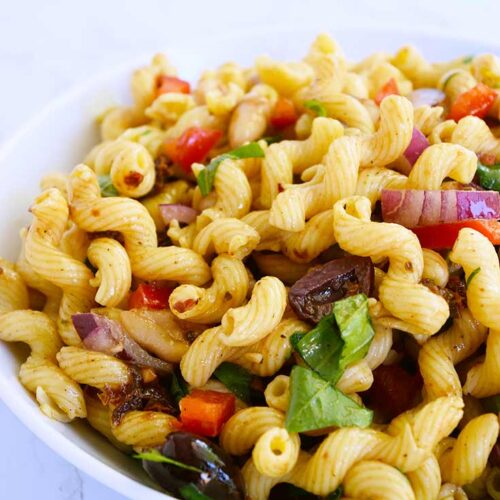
(413,207)
(416,147)
(102,334)
(176,211)
(405,162)
(426,97)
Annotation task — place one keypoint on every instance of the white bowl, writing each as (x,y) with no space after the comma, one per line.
(59,137)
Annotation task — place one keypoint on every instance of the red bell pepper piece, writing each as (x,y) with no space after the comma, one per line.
(205,412)
(389,88)
(476,102)
(149,296)
(284,113)
(394,390)
(166,84)
(192,146)
(444,235)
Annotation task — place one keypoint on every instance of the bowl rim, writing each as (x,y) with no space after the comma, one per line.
(54,439)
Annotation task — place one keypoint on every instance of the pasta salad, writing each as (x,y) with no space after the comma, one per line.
(281,282)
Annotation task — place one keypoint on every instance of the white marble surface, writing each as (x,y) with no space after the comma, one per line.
(45,47)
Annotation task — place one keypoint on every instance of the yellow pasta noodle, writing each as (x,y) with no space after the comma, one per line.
(477,255)
(226,235)
(50,212)
(58,395)
(440,161)
(129,164)
(248,324)
(93,368)
(419,310)
(285,158)
(208,305)
(439,355)
(372,479)
(468,455)
(131,219)
(113,276)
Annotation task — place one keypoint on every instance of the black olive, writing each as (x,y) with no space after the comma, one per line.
(313,295)
(219,477)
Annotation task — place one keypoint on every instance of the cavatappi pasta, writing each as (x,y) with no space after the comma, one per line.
(293,266)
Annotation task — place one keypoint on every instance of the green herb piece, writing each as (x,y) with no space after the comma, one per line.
(321,348)
(316,404)
(236,379)
(339,339)
(106,186)
(336,495)
(468,59)
(471,277)
(448,78)
(272,139)
(316,107)
(146,132)
(355,328)
(489,176)
(207,175)
(155,456)
(178,387)
(492,404)
(191,492)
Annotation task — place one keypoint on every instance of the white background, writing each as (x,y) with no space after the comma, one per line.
(47,46)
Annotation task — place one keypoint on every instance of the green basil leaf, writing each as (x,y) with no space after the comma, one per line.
(206,177)
(321,348)
(316,404)
(355,328)
(468,59)
(316,107)
(472,275)
(191,492)
(336,495)
(489,176)
(178,387)
(338,340)
(155,456)
(236,379)
(106,186)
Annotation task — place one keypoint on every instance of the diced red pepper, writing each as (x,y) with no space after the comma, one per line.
(149,296)
(444,235)
(389,88)
(205,412)
(166,84)
(488,159)
(476,102)
(394,390)
(284,113)
(192,146)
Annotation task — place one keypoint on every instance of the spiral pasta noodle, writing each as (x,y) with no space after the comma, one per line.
(284,159)
(473,251)
(209,348)
(51,213)
(208,305)
(146,259)
(113,276)
(420,311)
(128,163)
(466,458)
(220,266)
